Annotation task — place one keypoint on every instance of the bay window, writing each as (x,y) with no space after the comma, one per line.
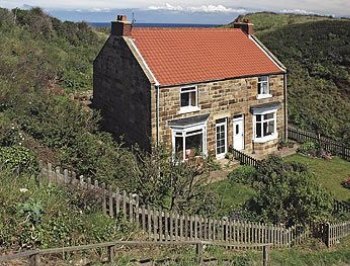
(189,142)
(265,124)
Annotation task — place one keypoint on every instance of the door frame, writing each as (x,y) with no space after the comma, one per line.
(238,118)
(223,123)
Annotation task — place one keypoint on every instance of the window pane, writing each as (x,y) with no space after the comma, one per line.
(185,99)
(269,116)
(269,128)
(194,145)
(193,98)
(179,147)
(258,118)
(188,89)
(263,78)
(258,130)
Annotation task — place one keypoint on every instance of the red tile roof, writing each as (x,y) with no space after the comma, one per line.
(192,55)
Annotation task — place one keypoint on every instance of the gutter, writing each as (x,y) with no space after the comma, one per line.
(285,107)
(157,113)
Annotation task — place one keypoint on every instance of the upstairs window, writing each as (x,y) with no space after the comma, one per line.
(263,87)
(189,100)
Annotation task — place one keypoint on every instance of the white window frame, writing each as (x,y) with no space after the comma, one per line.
(189,108)
(223,123)
(263,112)
(183,131)
(267,82)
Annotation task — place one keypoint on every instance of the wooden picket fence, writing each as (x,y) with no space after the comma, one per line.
(162,225)
(335,232)
(328,144)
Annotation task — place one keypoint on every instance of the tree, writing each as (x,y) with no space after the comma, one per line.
(166,182)
(289,194)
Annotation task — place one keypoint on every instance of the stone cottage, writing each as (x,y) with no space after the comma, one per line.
(199,91)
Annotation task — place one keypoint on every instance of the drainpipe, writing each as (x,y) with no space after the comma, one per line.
(157,112)
(285,108)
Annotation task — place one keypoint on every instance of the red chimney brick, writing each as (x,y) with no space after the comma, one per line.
(121,27)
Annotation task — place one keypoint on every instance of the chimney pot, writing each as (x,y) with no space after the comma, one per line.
(121,27)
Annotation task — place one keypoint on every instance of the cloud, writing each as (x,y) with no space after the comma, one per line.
(166,6)
(298,11)
(203,8)
(216,9)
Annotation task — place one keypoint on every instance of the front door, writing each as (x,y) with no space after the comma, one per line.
(238,133)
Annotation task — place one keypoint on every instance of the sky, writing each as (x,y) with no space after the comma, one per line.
(195,11)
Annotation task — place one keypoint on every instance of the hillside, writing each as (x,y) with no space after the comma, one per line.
(44,65)
(265,22)
(316,51)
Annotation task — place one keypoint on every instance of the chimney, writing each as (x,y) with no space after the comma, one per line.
(121,27)
(245,25)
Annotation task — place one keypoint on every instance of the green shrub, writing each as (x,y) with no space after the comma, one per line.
(18,158)
(289,194)
(309,148)
(243,174)
(43,216)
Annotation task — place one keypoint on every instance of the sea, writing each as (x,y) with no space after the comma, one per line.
(164,25)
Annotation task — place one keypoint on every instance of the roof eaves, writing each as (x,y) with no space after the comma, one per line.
(221,79)
(136,52)
(272,57)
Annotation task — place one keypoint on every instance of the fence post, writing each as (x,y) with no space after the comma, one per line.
(199,252)
(328,235)
(266,255)
(110,254)
(104,207)
(34,260)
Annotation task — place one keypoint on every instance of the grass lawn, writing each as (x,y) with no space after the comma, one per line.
(231,195)
(330,173)
(313,255)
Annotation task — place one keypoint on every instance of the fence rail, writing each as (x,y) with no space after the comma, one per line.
(244,159)
(330,145)
(34,256)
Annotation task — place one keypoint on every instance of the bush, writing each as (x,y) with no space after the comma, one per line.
(243,174)
(309,148)
(289,194)
(34,216)
(18,158)
(168,183)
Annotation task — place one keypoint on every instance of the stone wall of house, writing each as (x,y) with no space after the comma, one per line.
(222,99)
(122,93)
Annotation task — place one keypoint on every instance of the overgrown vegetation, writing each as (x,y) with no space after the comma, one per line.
(40,216)
(316,51)
(287,193)
(167,182)
(44,61)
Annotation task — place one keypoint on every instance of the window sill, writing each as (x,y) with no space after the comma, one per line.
(263,96)
(184,110)
(266,139)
